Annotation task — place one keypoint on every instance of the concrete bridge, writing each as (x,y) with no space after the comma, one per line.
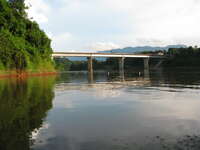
(121,57)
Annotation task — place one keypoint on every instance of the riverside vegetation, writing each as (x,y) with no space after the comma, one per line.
(24,47)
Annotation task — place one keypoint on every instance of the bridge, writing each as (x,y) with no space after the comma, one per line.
(121,57)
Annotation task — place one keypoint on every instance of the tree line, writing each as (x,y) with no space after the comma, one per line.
(183,57)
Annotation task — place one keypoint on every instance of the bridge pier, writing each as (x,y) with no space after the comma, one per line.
(90,69)
(146,68)
(121,67)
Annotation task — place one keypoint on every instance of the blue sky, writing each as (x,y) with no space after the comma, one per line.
(91,25)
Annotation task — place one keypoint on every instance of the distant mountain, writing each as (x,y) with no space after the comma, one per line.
(130,50)
(141,49)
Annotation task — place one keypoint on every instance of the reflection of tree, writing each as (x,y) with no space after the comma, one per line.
(23,106)
(172,76)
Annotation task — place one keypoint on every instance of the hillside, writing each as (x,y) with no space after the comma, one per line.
(141,49)
(130,50)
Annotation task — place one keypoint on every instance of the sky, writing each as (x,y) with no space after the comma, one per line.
(95,25)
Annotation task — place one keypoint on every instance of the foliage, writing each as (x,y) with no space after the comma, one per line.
(62,64)
(181,57)
(83,65)
(23,45)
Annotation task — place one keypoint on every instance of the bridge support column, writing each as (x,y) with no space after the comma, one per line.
(90,69)
(121,67)
(146,68)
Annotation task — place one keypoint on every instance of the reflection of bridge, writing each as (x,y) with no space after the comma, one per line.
(102,86)
(121,57)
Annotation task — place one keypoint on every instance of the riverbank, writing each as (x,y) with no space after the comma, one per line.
(14,74)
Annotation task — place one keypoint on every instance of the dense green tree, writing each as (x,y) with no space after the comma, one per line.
(62,64)
(183,57)
(23,45)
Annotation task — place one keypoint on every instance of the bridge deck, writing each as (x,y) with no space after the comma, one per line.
(69,54)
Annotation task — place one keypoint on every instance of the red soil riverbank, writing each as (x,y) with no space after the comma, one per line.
(26,74)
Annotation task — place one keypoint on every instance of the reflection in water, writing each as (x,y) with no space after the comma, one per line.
(23,106)
(136,114)
(158,112)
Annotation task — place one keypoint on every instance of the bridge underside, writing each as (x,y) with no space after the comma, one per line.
(121,68)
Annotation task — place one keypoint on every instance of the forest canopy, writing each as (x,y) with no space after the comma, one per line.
(23,45)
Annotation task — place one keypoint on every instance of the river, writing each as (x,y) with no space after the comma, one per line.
(68,112)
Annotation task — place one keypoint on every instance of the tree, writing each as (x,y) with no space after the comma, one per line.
(18,5)
(23,45)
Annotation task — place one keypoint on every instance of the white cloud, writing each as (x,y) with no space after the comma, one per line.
(121,22)
(160,20)
(99,46)
(35,134)
(60,41)
(38,10)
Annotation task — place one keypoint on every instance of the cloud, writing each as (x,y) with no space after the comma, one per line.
(120,22)
(38,10)
(35,134)
(59,42)
(99,46)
